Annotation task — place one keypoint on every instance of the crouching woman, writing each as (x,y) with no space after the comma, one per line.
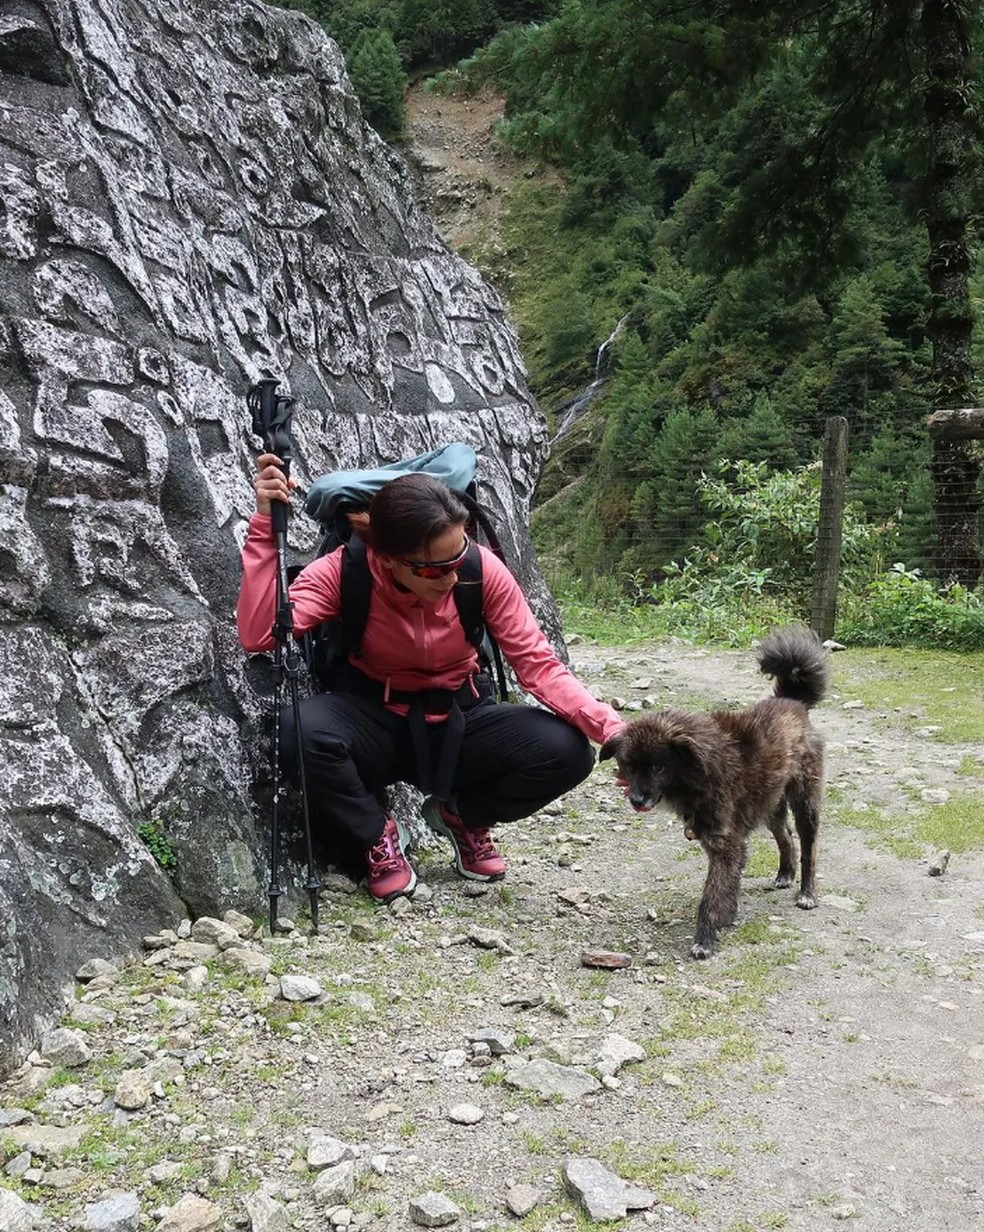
(412,704)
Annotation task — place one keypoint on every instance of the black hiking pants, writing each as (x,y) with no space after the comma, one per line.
(512,761)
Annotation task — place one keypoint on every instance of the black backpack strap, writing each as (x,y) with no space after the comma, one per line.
(469,600)
(479,521)
(355,590)
(468,595)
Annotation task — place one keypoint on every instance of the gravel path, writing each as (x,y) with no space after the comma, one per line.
(458,1061)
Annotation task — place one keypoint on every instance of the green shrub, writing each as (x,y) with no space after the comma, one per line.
(762,540)
(158,844)
(902,608)
(751,567)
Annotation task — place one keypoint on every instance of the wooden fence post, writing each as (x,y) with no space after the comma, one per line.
(827,576)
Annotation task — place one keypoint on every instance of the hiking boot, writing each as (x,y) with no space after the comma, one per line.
(475,855)
(388,871)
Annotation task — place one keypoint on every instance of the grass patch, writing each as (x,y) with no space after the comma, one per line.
(923,687)
(751,965)
(651,1171)
(546,1217)
(763,856)
(700,1109)
(957,825)
(882,831)
(760,930)
(620,624)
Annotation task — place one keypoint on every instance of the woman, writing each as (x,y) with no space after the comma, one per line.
(413,698)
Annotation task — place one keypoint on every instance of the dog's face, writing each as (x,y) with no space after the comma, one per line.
(658,759)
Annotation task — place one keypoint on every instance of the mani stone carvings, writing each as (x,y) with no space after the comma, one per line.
(190,201)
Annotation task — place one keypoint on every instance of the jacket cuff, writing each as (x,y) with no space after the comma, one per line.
(261,526)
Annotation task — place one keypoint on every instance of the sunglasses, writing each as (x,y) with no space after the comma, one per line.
(436,568)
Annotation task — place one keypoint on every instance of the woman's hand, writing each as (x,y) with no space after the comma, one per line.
(271,483)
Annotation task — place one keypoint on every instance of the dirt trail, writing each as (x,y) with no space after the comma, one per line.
(823,1066)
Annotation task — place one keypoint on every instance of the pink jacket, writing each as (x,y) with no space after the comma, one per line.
(409,644)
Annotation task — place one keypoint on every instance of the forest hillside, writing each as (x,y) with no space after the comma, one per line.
(734,222)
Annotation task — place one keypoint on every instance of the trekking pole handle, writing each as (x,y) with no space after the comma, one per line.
(272,415)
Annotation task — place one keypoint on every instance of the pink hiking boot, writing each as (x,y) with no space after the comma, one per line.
(475,854)
(389,872)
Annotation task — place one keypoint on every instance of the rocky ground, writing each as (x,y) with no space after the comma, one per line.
(470,1058)
(463,173)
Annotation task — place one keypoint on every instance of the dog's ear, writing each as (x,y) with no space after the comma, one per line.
(695,759)
(611,747)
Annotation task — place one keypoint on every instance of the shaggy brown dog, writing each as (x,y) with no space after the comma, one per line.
(725,773)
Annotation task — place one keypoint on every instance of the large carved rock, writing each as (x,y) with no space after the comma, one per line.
(190,200)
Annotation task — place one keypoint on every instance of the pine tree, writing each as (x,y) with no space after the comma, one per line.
(761,437)
(880,477)
(685,449)
(916,538)
(865,360)
(379,81)
(437,32)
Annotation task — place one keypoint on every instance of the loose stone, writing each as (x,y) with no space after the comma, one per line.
(114,1213)
(299,988)
(133,1090)
(604,1194)
(325,1151)
(499,1039)
(16,1215)
(191,1214)
(465,1114)
(938,864)
(522,1199)
(209,931)
(265,1214)
(66,1047)
(433,1210)
(96,967)
(250,962)
(610,959)
(241,923)
(617,1051)
(548,1079)
(336,1185)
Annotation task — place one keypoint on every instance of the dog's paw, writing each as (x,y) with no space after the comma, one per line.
(697,950)
(806,901)
(783,881)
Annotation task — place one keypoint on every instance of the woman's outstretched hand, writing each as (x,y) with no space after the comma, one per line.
(271,483)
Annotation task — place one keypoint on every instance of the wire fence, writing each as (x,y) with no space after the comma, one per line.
(851,497)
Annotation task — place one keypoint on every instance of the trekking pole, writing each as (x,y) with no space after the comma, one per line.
(271,422)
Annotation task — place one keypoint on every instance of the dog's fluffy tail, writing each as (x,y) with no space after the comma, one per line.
(799,663)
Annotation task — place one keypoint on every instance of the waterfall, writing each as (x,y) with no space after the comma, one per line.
(568,411)
(607,343)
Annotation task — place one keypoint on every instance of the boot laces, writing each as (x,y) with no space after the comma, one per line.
(479,843)
(385,854)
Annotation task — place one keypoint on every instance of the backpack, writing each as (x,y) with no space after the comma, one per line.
(332,498)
